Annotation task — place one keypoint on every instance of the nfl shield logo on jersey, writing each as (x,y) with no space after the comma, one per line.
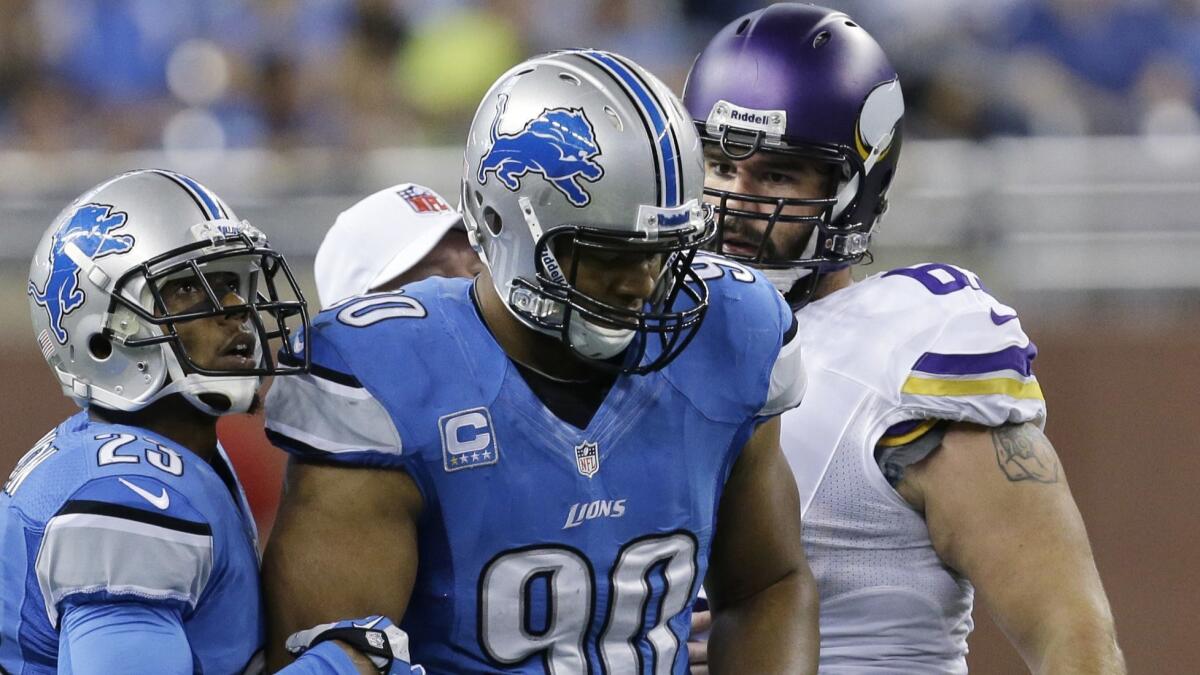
(587,458)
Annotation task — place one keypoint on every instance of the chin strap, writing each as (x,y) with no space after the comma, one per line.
(238,391)
(597,342)
(785,279)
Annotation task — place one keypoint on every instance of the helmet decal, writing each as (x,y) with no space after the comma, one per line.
(102,321)
(822,92)
(569,112)
(208,203)
(560,144)
(89,231)
(880,114)
(654,116)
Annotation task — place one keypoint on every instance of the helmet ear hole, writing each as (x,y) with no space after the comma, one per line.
(821,39)
(100,347)
(492,220)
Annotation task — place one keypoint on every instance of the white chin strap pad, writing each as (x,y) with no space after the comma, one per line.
(238,390)
(597,342)
(784,279)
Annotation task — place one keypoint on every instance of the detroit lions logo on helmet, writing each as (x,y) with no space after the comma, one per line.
(89,230)
(560,144)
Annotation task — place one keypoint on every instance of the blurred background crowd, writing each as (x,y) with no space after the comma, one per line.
(128,74)
(1052,146)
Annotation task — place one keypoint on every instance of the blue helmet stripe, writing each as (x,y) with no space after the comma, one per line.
(663,138)
(210,202)
(207,202)
(670,145)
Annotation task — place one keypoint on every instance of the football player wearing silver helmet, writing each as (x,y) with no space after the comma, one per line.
(129,545)
(923,470)
(571,434)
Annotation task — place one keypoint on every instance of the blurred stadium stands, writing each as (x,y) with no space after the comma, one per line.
(1053,146)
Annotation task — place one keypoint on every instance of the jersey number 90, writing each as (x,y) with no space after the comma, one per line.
(509,633)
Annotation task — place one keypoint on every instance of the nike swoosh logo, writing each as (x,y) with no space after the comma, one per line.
(370,625)
(161,501)
(1000,320)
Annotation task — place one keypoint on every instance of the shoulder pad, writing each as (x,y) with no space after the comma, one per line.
(731,370)
(381,364)
(977,365)
(125,537)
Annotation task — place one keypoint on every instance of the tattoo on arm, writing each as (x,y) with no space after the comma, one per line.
(1023,453)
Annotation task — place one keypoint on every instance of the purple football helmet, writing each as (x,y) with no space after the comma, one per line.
(804,82)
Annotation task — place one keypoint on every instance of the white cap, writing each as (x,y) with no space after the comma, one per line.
(380,238)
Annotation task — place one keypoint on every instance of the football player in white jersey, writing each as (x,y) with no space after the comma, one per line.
(918,450)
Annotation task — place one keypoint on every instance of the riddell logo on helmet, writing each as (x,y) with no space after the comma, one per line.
(747,116)
(725,114)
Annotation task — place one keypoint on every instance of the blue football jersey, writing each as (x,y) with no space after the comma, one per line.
(544,548)
(101,512)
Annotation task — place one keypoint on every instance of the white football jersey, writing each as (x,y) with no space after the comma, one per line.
(886,358)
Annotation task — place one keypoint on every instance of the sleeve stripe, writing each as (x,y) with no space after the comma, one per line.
(788,380)
(344,379)
(1006,386)
(293,445)
(85,506)
(792,330)
(89,521)
(329,417)
(904,439)
(301,443)
(86,553)
(1015,358)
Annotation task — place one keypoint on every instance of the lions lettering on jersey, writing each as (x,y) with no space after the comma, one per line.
(533,556)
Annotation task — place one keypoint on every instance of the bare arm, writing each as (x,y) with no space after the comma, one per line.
(763,595)
(1000,512)
(344,545)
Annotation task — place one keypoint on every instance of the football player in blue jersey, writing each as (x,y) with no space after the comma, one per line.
(918,451)
(128,544)
(538,468)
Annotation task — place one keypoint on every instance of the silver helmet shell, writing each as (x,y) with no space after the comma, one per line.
(588,145)
(97,310)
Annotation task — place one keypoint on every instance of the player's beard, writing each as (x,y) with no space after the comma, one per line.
(737,228)
(742,228)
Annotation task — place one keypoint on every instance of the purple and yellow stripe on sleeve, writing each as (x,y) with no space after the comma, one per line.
(905,432)
(1007,372)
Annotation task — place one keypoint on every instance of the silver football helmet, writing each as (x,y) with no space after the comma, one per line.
(99,315)
(588,147)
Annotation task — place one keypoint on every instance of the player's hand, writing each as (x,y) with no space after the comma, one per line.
(375,637)
(698,642)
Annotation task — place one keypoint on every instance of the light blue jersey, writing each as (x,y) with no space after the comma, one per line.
(544,548)
(104,513)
